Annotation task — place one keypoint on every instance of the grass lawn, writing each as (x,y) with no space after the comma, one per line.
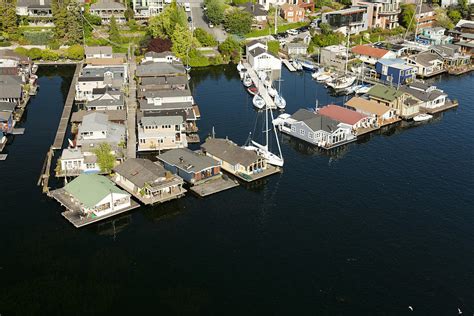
(280,29)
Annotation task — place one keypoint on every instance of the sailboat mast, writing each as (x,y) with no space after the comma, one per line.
(347,54)
(266,125)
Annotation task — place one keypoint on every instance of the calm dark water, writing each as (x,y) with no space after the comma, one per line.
(371,229)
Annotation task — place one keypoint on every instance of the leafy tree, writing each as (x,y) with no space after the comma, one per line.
(230,49)
(34,53)
(407,16)
(463,6)
(323,40)
(322,3)
(238,22)
(206,39)
(129,14)
(74,23)
(8,18)
(159,45)
(75,52)
(443,20)
(346,2)
(215,11)
(164,24)
(105,158)
(21,51)
(454,15)
(49,55)
(60,14)
(325,28)
(114,34)
(183,42)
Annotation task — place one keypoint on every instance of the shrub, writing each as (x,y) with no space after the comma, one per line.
(206,39)
(49,55)
(54,45)
(22,51)
(75,52)
(38,38)
(34,53)
(5,43)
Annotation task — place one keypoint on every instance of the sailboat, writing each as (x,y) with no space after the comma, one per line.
(280,102)
(345,80)
(263,150)
(247,81)
(258,101)
(296,64)
(272,91)
(240,66)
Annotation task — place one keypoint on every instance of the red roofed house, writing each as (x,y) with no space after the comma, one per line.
(370,55)
(355,119)
(292,13)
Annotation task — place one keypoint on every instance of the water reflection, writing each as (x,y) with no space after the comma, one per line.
(112,227)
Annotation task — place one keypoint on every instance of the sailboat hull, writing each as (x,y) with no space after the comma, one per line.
(265,153)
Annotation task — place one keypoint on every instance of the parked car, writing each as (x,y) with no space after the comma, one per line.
(303,28)
(292,32)
(190,19)
(211,25)
(187,7)
(283,35)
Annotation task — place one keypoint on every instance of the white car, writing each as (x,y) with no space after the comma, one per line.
(292,32)
(187,7)
(211,25)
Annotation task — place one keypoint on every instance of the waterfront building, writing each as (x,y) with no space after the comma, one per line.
(163,83)
(93,52)
(147,181)
(260,59)
(96,129)
(105,9)
(6,122)
(245,164)
(352,118)
(425,16)
(380,112)
(370,55)
(451,55)
(37,12)
(334,56)
(426,64)
(111,99)
(114,116)
(163,57)
(430,96)
(160,69)
(73,162)
(380,13)
(145,9)
(11,89)
(296,49)
(193,167)
(93,77)
(347,21)
(96,195)
(7,106)
(292,13)
(404,105)
(316,129)
(395,71)
(157,133)
(434,36)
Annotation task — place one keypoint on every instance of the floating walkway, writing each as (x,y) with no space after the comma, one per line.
(63,123)
(214,186)
(288,65)
(262,91)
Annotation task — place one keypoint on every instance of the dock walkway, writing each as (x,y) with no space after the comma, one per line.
(132,109)
(214,186)
(261,86)
(448,105)
(63,123)
(288,65)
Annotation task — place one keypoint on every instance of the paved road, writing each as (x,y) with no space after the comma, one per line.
(199,20)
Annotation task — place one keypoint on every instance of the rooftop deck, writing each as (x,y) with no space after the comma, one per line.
(74,215)
(255,176)
(174,194)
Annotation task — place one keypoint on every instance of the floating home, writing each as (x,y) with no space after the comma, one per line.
(360,123)
(149,182)
(242,163)
(202,172)
(90,198)
(315,129)
(383,114)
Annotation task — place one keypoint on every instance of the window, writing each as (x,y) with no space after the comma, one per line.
(293,129)
(302,132)
(310,135)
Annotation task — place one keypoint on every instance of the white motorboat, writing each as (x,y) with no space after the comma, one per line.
(242,73)
(280,102)
(363,89)
(422,117)
(258,101)
(247,81)
(317,73)
(296,64)
(323,77)
(240,66)
(307,65)
(342,82)
(272,91)
(187,68)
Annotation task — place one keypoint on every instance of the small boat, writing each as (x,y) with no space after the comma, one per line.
(242,73)
(363,89)
(422,117)
(187,68)
(342,82)
(271,91)
(34,68)
(323,77)
(252,90)
(240,66)
(353,89)
(307,65)
(296,64)
(258,101)
(280,102)
(247,81)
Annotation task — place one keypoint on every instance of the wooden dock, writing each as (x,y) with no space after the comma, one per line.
(259,175)
(262,91)
(448,105)
(131,102)
(64,121)
(214,186)
(288,65)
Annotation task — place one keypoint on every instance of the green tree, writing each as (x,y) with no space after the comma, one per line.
(164,24)
(60,15)
(49,55)
(325,28)
(443,20)
(454,15)
(129,14)
(105,158)
(183,42)
(322,3)
(75,52)
(114,34)
(238,22)
(34,53)
(464,7)
(346,2)
(74,33)
(230,49)
(8,18)
(21,51)
(407,16)
(204,38)
(323,40)
(215,11)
